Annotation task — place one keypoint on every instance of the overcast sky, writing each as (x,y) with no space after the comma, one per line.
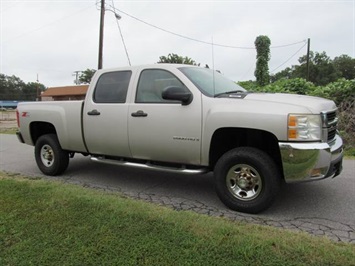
(55,38)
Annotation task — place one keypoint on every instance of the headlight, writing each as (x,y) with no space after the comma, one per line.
(304,127)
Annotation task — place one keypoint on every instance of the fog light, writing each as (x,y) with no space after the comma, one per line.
(316,172)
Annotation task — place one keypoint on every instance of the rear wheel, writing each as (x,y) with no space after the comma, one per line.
(247,180)
(50,157)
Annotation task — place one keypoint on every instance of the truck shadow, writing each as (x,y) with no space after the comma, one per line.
(294,200)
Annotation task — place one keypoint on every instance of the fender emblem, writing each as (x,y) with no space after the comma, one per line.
(185,138)
(25,114)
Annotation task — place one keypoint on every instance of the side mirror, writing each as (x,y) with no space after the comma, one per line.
(177,94)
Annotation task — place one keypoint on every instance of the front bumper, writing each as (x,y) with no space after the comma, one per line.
(311,161)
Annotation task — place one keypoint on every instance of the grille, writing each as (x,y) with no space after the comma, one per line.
(331,123)
(331,117)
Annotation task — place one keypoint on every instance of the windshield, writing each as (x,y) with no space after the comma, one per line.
(210,82)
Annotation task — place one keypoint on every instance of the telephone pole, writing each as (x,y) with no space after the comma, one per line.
(76,74)
(308,48)
(101,38)
(38,98)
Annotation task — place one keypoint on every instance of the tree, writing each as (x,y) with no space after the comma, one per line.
(32,91)
(321,69)
(86,76)
(345,65)
(12,88)
(287,73)
(176,59)
(262,45)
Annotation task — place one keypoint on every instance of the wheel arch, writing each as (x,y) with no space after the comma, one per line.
(38,129)
(226,139)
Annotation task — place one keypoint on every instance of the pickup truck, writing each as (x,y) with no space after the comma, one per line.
(192,120)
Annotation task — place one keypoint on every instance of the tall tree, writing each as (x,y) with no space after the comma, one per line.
(32,91)
(176,59)
(262,45)
(86,76)
(345,65)
(12,88)
(321,69)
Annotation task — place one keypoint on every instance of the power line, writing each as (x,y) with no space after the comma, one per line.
(196,40)
(119,28)
(289,58)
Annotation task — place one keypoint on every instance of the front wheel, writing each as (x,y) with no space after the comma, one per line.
(50,157)
(247,180)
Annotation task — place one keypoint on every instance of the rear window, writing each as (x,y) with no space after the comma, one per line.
(112,87)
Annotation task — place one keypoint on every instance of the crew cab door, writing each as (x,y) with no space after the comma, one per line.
(105,115)
(163,130)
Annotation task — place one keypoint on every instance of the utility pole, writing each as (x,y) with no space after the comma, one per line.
(76,74)
(101,38)
(38,98)
(308,48)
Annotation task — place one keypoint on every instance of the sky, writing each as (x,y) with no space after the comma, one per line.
(51,39)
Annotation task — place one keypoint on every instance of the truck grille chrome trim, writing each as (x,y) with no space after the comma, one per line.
(330,122)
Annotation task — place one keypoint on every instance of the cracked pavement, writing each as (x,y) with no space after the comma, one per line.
(323,208)
(333,230)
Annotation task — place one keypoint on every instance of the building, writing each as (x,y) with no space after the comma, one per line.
(65,93)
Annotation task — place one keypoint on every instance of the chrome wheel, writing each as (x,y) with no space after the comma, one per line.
(47,155)
(244,182)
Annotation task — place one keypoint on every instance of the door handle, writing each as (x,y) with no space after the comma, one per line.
(94,112)
(139,113)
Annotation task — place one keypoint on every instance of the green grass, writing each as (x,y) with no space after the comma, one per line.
(51,223)
(8,130)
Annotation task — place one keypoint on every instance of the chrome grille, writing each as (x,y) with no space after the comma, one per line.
(330,121)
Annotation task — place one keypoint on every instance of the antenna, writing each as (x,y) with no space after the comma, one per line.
(214,87)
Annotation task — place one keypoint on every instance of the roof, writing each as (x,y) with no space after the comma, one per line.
(65,91)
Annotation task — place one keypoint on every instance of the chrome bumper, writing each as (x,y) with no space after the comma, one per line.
(311,161)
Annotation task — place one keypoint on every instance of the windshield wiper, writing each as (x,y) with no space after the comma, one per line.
(229,92)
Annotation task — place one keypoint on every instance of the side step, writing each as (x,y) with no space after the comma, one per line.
(149,166)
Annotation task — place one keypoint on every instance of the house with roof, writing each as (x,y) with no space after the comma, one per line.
(66,93)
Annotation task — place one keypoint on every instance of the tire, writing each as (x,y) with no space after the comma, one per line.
(50,157)
(247,180)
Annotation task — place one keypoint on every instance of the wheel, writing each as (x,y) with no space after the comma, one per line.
(247,180)
(50,157)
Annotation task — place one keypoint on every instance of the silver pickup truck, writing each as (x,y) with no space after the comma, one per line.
(191,120)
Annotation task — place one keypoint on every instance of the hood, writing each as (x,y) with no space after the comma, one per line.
(313,104)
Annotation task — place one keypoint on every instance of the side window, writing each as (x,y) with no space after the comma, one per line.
(151,84)
(112,87)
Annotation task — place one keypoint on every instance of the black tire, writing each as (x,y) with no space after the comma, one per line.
(247,180)
(50,157)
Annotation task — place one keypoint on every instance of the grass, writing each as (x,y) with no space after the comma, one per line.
(8,130)
(51,223)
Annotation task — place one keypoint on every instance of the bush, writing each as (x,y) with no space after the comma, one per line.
(342,92)
(337,91)
(297,86)
(249,85)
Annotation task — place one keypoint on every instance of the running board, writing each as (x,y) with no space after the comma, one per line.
(150,166)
